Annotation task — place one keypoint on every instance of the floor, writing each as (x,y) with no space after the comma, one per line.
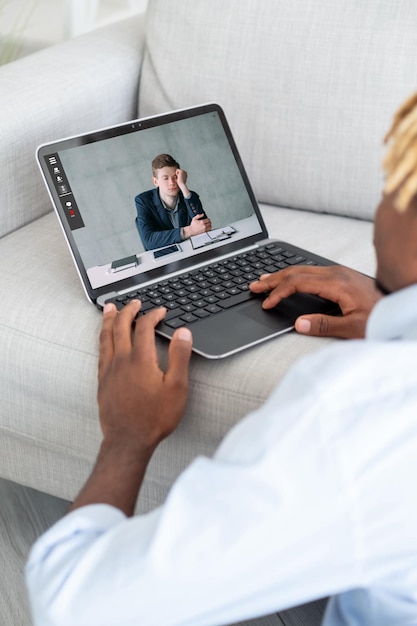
(27,26)
(24,515)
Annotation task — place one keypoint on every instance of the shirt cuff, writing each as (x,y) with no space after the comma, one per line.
(94,518)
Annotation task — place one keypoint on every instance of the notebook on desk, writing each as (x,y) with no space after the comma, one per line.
(200,277)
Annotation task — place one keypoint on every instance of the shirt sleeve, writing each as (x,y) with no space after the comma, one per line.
(230,542)
(194,205)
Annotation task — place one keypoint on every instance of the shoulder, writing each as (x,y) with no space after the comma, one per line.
(356,373)
(147,197)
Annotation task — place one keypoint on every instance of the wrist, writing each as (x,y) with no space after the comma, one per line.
(117,475)
(185,192)
(126,446)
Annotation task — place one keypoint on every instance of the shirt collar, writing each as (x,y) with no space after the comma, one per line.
(394,316)
(167,207)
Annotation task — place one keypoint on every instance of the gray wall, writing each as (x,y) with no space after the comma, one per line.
(106,176)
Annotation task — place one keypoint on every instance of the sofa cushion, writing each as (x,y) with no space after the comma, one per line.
(309,88)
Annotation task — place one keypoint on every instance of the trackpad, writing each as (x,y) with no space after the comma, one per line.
(234,329)
(273,320)
(287,311)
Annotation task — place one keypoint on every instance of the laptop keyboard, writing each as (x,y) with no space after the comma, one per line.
(213,288)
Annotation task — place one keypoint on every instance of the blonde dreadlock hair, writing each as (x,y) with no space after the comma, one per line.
(400,162)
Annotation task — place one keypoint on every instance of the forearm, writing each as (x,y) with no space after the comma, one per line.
(186,232)
(185,191)
(159,238)
(117,476)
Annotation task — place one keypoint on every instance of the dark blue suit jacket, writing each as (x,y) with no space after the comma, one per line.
(153,223)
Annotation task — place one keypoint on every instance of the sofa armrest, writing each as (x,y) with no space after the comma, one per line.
(85,83)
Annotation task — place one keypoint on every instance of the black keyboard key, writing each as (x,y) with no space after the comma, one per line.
(251,276)
(177,322)
(158,302)
(188,308)
(211,299)
(188,318)
(171,313)
(201,313)
(213,308)
(147,306)
(242,296)
(295,260)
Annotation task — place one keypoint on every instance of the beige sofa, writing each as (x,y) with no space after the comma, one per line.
(309,89)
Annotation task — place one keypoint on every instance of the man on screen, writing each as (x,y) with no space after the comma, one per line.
(170,213)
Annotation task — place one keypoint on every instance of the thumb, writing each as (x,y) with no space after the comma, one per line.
(316,325)
(179,358)
(342,326)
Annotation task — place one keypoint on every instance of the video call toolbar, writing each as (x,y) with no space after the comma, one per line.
(63,189)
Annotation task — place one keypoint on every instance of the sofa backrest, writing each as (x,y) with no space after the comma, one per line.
(309,87)
(84,83)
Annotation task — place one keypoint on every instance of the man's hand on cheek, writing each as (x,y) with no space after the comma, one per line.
(137,400)
(181,177)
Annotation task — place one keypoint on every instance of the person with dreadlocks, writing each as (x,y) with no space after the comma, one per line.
(310,496)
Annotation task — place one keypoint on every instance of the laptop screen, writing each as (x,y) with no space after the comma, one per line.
(115,208)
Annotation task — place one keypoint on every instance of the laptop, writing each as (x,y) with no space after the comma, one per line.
(101,185)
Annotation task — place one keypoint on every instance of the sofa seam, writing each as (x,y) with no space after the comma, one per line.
(46,341)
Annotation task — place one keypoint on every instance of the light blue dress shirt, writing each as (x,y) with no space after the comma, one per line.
(312,495)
